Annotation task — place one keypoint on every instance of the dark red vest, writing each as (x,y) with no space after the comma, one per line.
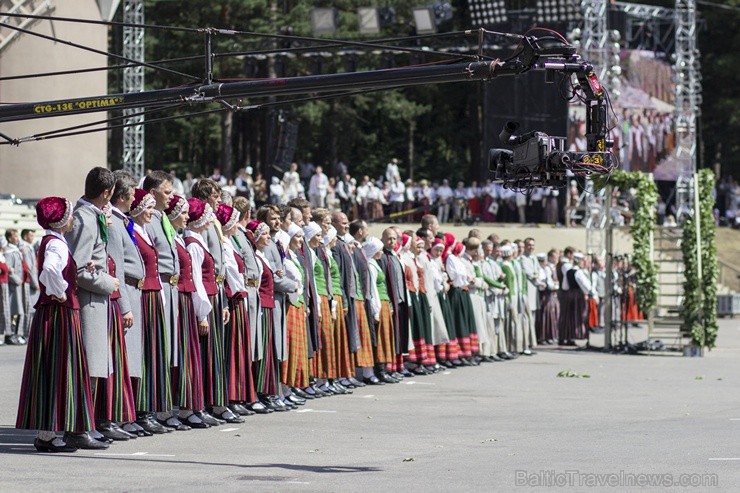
(207,269)
(185,283)
(112,271)
(151,264)
(267,287)
(69,274)
(4,273)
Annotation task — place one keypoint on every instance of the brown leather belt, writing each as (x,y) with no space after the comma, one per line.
(252,283)
(171,279)
(133,282)
(220,279)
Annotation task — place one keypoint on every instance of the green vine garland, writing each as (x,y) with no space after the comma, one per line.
(641,228)
(699,309)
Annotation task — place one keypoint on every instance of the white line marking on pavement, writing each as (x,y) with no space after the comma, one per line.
(368,396)
(446,373)
(420,383)
(138,454)
(724,458)
(228,429)
(296,482)
(734,419)
(313,411)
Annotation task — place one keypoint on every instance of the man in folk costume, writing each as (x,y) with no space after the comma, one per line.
(496,297)
(358,331)
(252,275)
(87,241)
(274,252)
(513,284)
(159,185)
(358,230)
(130,273)
(534,284)
(30,279)
(433,285)
(55,390)
(566,333)
(14,261)
(524,311)
(396,283)
(209,192)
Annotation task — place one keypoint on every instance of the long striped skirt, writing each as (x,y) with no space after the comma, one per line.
(462,312)
(154,393)
(189,385)
(420,328)
(386,350)
(114,396)
(4,309)
(266,376)
(363,358)
(341,342)
(294,371)
(55,389)
(212,356)
(325,361)
(547,316)
(450,350)
(240,380)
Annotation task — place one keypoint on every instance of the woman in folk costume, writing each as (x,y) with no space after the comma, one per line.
(382,312)
(154,393)
(188,380)
(237,341)
(448,354)
(207,304)
(114,396)
(433,285)
(462,308)
(547,316)
(420,321)
(55,390)
(486,331)
(325,361)
(5,331)
(295,371)
(344,365)
(573,314)
(266,374)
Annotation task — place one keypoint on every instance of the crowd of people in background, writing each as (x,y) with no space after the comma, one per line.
(215,311)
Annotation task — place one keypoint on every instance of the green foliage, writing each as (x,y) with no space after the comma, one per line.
(643,222)
(700,288)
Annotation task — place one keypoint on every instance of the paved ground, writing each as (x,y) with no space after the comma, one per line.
(495,427)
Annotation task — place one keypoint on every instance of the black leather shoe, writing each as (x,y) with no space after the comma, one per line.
(130,434)
(373,380)
(303,394)
(495,357)
(230,417)
(355,382)
(298,401)
(150,424)
(133,428)
(342,387)
(384,377)
(174,423)
(44,446)
(346,383)
(431,368)
(194,421)
(102,439)
(277,404)
(420,370)
(84,441)
(318,393)
(407,374)
(109,431)
(397,376)
(288,404)
(208,418)
(240,410)
(259,408)
(13,340)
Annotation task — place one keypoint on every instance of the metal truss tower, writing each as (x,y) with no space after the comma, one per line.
(687,101)
(133,81)
(596,36)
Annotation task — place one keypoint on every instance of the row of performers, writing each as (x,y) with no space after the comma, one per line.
(141,330)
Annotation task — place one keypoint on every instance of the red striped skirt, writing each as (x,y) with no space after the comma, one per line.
(364,354)
(55,388)
(345,367)
(386,336)
(190,377)
(295,370)
(155,392)
(326,360)
(238,348)
(114,396)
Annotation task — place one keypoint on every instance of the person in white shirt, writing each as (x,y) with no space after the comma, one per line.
(361,196)
(397,198)
(391,171)
(444,199)
(317,188)
(291,179)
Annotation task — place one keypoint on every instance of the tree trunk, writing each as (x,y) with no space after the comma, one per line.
(412,133)
(227,151)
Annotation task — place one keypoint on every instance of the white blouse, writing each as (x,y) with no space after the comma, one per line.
(201,303)
(56,258)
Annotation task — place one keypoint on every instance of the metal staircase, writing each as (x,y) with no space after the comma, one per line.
(8,23)
(665,321)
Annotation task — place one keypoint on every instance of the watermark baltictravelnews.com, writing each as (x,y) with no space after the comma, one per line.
(621,479)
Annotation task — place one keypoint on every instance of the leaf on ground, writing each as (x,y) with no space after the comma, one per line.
(699,378)
(489,440)
(571,374)
(409,459)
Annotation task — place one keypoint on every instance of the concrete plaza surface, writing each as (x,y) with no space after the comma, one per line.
(497,427)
